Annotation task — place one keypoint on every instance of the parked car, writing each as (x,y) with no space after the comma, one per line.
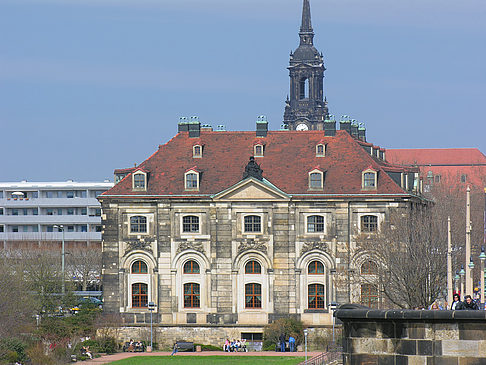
(89,302)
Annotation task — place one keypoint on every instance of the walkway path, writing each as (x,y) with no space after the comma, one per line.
(125,355)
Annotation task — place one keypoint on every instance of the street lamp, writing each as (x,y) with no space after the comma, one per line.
(482,257)
(305,344)
(151,307)
(456,281)
(462,272)
(63,254)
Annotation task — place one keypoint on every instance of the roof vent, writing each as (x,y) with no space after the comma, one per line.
(207,128)
(221,128)
(261,126)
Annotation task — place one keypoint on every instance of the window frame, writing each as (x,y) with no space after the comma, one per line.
(135,183)
(368,297)
(191,224)
(254,295)
(192,267)
(321,180)
(142,297)
(186,180)
(323,153)
(366,267)
(195,152)
(255,269)
(318,299)
(132,224)
(363,224)
(365,180)
(141,265)
(193,296)
(316,224)
(244,224)
(259,150)
(316,267)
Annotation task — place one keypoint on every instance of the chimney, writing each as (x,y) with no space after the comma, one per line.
(354,128)
(345,124)
(194,127)
(207,128)
(362,132)
(183,124)
(330,127)
(261,126)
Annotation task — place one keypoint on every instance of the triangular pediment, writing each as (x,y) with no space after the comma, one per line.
(252,189)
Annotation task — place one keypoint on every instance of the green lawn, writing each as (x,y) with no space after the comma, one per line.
(195,360)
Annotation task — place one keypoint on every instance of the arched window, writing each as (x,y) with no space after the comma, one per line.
(139,267)
(369,223)
(304,88)
(369,295)
(253,295)
(192,295)
(253,267)
(253,223)
(315,295)
(369,268)
(315,223)
(191,267)
(190,224)
(316,268)
(315,180)
(138,224)
(139,295)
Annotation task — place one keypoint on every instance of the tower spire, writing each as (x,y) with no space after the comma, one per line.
(306,26)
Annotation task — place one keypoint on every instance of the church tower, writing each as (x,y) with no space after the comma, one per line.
(306,109)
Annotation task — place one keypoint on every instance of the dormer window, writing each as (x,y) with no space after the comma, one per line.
(139,181)
(258,150)
(197,151)
(191,180)
(316,178)
(369,180)
(321,150)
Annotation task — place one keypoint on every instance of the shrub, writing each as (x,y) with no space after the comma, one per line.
(207,347)
(288,326)
(37,355)
(12,350)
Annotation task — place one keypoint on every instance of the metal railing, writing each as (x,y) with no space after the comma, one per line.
(331,357)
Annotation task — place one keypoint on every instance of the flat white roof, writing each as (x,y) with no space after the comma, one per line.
(55,185)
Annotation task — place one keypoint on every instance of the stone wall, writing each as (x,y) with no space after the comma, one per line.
(413,337)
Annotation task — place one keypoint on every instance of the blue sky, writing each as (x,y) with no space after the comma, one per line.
(87,86)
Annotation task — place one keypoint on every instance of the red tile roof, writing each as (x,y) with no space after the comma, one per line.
(289,157)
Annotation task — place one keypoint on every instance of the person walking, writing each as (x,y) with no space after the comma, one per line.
(282,342)
(292,343)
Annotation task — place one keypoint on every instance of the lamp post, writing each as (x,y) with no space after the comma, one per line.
(63,254)
(151,307)
(482,257)
(462,272)
(456,282)
(305,343)
(469,282)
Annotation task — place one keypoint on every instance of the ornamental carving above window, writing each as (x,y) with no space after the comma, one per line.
(250,244)
(309,246)
(196,246)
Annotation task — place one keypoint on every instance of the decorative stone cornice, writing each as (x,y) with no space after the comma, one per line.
(309,246)
(183,246)
(144,244)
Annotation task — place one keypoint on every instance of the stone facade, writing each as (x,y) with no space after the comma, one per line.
(413,337)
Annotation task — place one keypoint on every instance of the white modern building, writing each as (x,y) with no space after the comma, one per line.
(32,212)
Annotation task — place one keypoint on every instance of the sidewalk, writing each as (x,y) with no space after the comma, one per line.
(125,355)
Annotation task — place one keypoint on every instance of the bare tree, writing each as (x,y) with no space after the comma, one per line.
(411,249)
(84,265)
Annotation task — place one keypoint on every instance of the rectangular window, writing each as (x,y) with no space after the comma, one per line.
(35,211)
(60,194)
(315,224)
(35,228)
(34,194)
(315,180)
(1,194)
(98,228)
(84,228)
(1,211)
(59,211)
(84,211)
(70,194)
(15,228)
(49,194)
(98,192)
(190,224)
(81,193)
(70,228)
(2,228)
(70,211)
(50,229)
(253,223)
(49,211)
(139,181)
(25,228)
(15,212)
(191,181)
(369,223)
(25,212)
(369,180)
(98,212)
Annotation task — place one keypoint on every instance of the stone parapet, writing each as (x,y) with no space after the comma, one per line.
(412,337)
